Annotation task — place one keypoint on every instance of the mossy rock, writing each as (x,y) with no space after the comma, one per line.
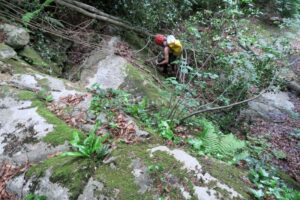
(140,83)
(34,59)
(229,174)
(62,132)
(72,173)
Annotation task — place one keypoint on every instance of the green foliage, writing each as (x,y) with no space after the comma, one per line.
(91,147)
(104,100)
(34,197)
(166,131)
(212,142)
(149,114)
(269,185)
(27,17)
(155,168)
(153,14)
(45,95)
(279,154)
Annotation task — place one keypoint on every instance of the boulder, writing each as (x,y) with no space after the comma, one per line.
(270,106)
(16,37)
(6,52)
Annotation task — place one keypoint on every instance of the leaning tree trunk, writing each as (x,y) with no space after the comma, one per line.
(99,15)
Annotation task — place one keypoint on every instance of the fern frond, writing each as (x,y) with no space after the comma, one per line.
(215,143)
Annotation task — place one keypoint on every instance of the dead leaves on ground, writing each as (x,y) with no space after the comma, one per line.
(7,172)
(73,100)
(70,100)
(126,130)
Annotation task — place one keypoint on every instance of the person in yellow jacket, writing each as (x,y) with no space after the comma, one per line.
(172,50)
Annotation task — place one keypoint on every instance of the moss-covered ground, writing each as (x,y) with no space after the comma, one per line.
(73,173)
(62,132)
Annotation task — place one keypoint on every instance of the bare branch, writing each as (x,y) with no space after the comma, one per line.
(222,107)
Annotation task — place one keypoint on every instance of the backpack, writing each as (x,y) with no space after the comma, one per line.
(174,44)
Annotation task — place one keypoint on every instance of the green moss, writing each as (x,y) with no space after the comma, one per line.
(18,65)
(140,83)
(229,174)
(133,39)
(72,173)
(122,178)
(61,132)
(32,57)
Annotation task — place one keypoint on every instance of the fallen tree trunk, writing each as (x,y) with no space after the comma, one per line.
(102,18)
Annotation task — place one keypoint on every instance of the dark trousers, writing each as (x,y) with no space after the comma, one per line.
(172,58)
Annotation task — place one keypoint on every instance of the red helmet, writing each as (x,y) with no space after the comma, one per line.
(159,39)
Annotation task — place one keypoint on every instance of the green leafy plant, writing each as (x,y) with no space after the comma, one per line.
(27,17)
(35,197)
(90,147)
(166,131)
(267,184)
(155,168)
(45,95)
(212,142)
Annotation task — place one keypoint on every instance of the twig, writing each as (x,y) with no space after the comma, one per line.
(148,42)
(222,107)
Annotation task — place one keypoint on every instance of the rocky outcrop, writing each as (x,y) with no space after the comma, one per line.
(16,37)
(270,106)
(6,52)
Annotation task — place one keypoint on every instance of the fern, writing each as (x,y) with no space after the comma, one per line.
(212,142)
(27,17)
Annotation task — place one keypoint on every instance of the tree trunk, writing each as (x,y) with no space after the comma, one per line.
(101,17)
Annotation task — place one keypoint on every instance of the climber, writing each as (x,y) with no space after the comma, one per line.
(172,50)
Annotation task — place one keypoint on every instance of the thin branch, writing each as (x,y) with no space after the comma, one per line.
(222,107)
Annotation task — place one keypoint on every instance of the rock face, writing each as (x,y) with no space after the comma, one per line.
(192,165)
(21,129)
(108,70)
(271,106)
(6,52)
(16,37)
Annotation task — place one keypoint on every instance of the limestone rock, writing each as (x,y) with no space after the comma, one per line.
(16,37)
(6,52)
(271,106)
(142,178)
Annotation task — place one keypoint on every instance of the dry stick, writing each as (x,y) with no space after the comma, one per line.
(148,42)
(102,18)
(221,107)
